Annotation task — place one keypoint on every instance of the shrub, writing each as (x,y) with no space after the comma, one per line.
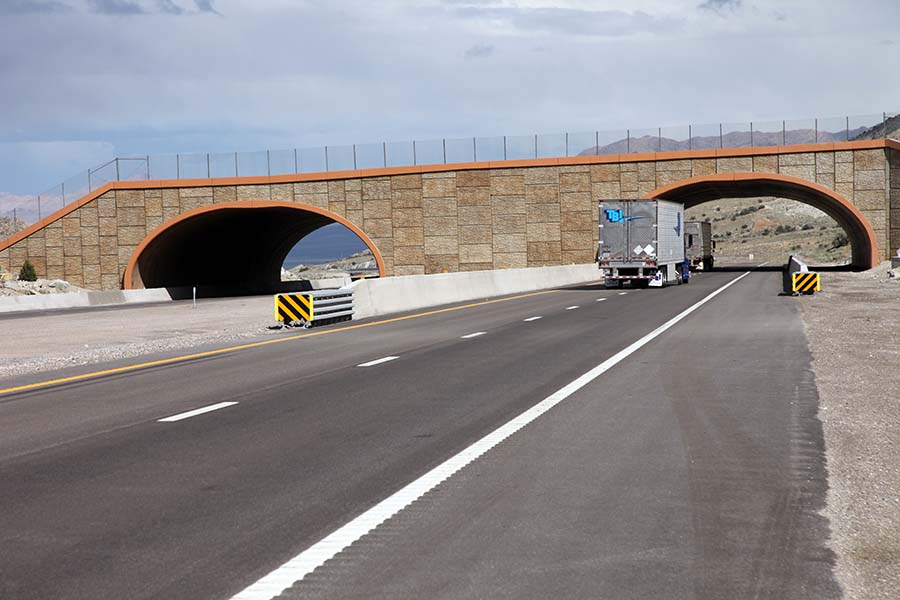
(27,273)
(840,240)
(807,227)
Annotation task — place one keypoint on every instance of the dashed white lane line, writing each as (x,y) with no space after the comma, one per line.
(601,299)
(571,307)
(476,334)
(531,319)
(622,293)
(378,361)
(295,569)
(195,412)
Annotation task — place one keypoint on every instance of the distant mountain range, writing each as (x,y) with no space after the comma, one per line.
(744,139)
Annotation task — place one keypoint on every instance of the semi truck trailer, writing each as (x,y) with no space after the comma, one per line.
(699,245)
(641,242)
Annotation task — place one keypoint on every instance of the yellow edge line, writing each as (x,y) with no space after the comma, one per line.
(175,359)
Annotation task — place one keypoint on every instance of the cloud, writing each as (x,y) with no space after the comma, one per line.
(571,21)
(116,7)
(721,6)
(480,51)
(22,7)
(146,7)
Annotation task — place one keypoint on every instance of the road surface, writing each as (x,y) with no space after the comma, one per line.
(692,468)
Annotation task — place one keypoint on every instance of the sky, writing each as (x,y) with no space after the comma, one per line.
(84,81)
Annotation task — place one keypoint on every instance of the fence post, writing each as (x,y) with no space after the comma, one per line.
(784,133)
(504,147)
(89,181)
(597,143)
(118,176)
(816,126)
(268,163)
(444,144)
(847,128)
(236,165)
(721,139)
(326,159)
(751,134)
(628,141)
(567,144)
(884,125)
(208,169)
(474,151)
(690,138)
(535,145)
(415,161)
(384,153)
(659,139)
(296,164)
(354,157)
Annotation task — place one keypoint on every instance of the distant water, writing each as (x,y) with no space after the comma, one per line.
(328,244)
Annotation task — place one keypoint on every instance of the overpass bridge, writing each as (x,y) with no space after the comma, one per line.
(435,218)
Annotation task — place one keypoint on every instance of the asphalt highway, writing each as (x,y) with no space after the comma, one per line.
(692,468)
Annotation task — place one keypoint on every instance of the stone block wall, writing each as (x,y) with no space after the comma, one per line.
(445,221)
(894,187)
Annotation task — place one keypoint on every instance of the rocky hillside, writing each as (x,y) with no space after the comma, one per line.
(770,229)
(355,263)
(9,227)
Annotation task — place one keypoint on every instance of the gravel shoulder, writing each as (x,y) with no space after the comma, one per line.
(65,339)
(852,330)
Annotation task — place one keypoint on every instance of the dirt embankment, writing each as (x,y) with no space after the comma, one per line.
(852,326)
(770,229)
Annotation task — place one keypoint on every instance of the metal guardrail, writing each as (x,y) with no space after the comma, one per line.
(320,307)
(23,211)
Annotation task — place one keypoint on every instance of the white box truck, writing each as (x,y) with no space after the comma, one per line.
(641,242)
(699,245)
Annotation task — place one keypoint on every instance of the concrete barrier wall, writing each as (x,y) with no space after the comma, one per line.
(373,297)
(81,299)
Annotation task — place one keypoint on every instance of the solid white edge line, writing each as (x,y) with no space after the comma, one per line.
(315,556)
(472,335)
(195,412)
(571,307)
(531,319)
(378,361)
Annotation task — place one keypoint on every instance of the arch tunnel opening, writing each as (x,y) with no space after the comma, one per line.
(700,190)
(230,249)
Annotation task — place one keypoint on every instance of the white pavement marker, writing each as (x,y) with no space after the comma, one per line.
(195,412)
(622,293)
(315,556)
(571,307)
(476,334)
(601,299)
(531,319)
(378,361)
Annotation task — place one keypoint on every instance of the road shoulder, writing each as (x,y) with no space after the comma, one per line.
(851,326)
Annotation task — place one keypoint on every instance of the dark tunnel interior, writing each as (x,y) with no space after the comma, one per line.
(698,193)
(225,252)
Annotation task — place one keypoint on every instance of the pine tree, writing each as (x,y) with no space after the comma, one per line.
(27,273)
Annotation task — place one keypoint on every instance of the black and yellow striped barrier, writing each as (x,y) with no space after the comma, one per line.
(294,307)
(805,283)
